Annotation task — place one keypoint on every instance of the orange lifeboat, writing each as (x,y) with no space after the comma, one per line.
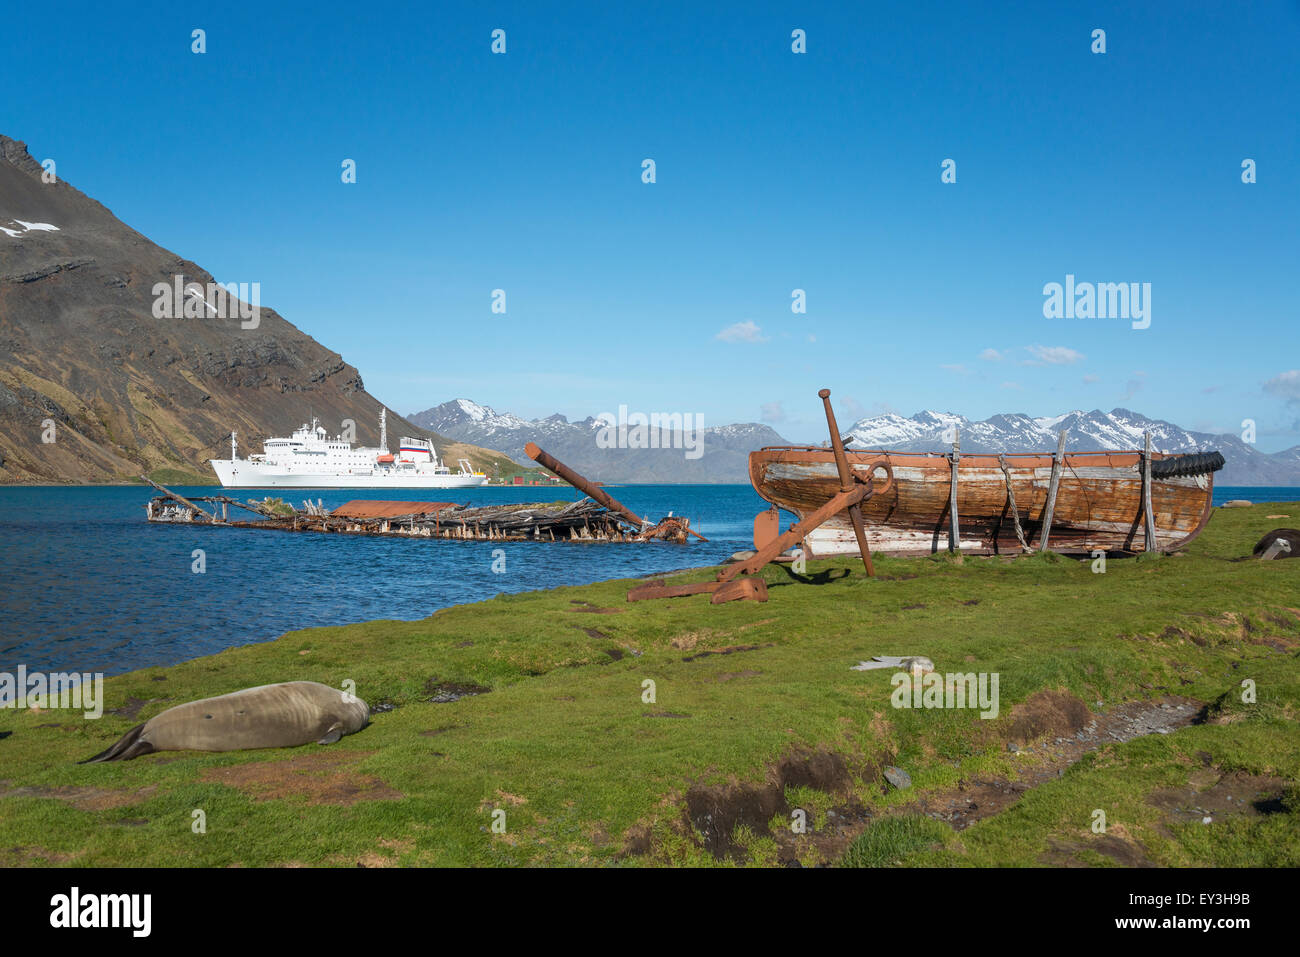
(385,459)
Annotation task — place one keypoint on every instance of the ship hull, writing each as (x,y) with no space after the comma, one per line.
(245,474)
(1098,503)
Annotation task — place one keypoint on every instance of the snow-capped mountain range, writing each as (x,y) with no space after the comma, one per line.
(726,448)
(722,451)
(1085,432)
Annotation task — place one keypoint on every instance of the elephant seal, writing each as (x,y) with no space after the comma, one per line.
(268,716)
(1279,543)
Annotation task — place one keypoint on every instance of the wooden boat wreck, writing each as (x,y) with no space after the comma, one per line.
(1115,501)
(905,504)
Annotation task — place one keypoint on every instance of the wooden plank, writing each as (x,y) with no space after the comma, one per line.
(1015,512)
(1150,518)
(1058,463)
(954,532)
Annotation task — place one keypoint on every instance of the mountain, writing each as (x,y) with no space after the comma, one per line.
(1086,432)
(82,346)
(717,454)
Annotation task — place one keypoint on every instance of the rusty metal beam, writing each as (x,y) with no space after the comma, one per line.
(847,482)
(579,482)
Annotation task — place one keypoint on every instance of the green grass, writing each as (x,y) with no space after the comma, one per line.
(584,768)
(891,839)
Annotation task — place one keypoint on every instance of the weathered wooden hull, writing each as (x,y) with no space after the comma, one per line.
(1098,502)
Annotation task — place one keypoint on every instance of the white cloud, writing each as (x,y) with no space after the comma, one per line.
(1011,385)
(1285,386)
(1090,379)
(747,331)
(991,355)
(773,412)
(1055,355)
(1133,386)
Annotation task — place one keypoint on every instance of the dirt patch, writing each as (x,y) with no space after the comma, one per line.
(434,732)
(86,798)
(1212,793)
(663,714)
(131,709)
(593,633)
(974,800)
(729,650)
(615,653)
(728,675)
(319,777)
(913,607)
(1124,852)
(716,811)
(445,692)
(30,855)
(1046,712)
(591,609)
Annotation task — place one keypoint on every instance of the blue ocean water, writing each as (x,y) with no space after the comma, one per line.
(89,586)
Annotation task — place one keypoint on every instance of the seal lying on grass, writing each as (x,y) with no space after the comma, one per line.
(268,716)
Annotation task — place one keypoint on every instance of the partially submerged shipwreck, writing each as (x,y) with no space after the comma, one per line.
(597,518)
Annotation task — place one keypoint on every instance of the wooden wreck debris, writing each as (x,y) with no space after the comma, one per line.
(582,521)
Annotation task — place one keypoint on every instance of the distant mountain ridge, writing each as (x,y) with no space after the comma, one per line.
(724,450)
(1085,432)
(727,447)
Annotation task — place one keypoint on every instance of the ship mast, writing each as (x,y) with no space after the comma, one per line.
(234,447)
(383,430)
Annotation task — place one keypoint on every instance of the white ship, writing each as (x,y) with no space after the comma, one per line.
(311,459)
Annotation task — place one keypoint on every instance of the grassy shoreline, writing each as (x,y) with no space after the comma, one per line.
(756,714)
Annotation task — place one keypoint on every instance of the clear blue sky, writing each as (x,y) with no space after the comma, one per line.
(775,171)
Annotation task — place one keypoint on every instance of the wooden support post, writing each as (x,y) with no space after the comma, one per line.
(194,509)
(954,532)
(1146,497)
(1058,463)
(1011,498)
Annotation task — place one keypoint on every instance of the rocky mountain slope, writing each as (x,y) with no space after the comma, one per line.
(721,453)
(129,392)
(1086,432)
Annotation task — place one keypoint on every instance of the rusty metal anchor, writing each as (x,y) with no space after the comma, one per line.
(738,581)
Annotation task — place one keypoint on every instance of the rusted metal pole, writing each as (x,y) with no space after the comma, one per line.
(847,482)
(548,461)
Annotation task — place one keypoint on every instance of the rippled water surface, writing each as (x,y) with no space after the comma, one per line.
(88,585)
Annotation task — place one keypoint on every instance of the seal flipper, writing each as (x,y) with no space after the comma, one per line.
(129,746)
(333,734)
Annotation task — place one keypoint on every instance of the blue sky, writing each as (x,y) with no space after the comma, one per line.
(775,171)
